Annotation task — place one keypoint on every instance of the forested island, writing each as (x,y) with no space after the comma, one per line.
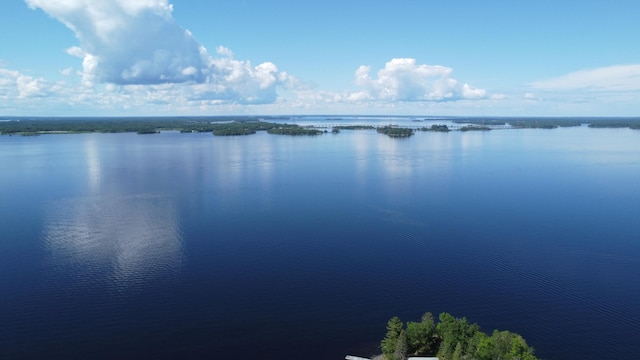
(451,338)
(355,127)
(236,126)
(436,128)
(394,131)
(475,128)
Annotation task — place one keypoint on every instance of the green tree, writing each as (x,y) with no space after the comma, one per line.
(457,353)
(504,345)
(454,331)
(401,347)
(390,341)
(520,350)
(421,336)
(501,344)
(484,347)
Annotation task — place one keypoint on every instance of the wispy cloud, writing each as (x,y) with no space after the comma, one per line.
(611,78)
(138,42)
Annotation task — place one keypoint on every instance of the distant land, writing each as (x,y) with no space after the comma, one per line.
(246,125)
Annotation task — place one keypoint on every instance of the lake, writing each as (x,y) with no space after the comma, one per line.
(266,246)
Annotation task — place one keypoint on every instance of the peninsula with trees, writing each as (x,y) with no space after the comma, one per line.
(451,338)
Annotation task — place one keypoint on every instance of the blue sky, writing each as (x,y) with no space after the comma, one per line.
(414,57)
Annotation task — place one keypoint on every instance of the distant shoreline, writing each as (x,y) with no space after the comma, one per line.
(246,125)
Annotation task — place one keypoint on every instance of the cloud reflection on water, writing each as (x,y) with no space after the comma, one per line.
(135,237)
(94,170)
(240,163)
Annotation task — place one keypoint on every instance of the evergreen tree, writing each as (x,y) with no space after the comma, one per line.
(457,353)
(421,337)
(520,350)
(390,341)
(454,331)
(401,347)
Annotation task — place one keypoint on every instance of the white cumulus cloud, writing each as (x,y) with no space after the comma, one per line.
(224,51)
(128,41)
(404,80)
(138,42)
(15,84)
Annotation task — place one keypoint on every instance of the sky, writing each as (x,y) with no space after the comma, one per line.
(285,57)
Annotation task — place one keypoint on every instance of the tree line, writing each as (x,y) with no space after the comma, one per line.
(249,125)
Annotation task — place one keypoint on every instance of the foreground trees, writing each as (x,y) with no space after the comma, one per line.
(451,339)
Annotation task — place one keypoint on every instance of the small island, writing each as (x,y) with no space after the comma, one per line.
(354,127)
(436,128)
(238,128)
(475,128)
(394,131)
(148,131)
(287,129)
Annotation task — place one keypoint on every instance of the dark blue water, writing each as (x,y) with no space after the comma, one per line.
(192,246)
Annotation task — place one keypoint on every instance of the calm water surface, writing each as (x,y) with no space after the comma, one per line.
(194,246)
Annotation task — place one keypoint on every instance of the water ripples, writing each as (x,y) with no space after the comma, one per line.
(121,240)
